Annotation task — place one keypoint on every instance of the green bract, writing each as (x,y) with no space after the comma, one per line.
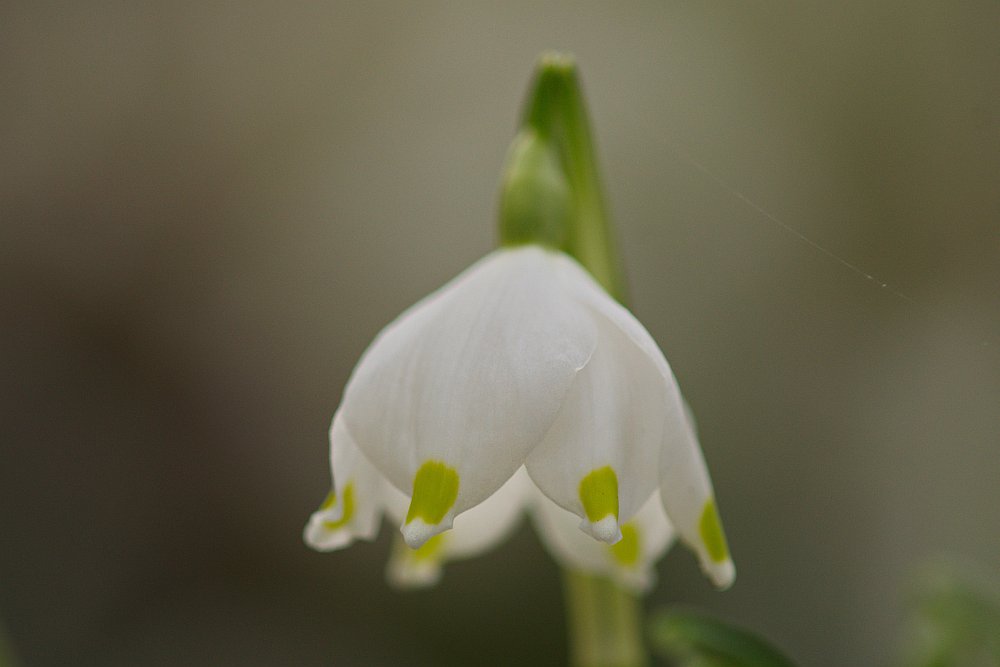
(535,204)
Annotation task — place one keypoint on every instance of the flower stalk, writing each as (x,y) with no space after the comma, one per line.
(603,619)
(604,622)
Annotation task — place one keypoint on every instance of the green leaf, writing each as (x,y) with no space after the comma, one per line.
(955,617)
(701,641)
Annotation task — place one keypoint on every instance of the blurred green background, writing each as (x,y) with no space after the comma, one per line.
(208,209)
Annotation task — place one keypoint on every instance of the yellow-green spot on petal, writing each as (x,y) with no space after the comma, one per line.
(599,494)
(348,507)
(627,550)
(435,488)
(328,502)
(710,528)
(430,550)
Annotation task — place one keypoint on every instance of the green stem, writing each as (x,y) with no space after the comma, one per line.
(556,111)
(604,620)
(605,623)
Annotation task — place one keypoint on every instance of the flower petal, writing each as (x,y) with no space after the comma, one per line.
(451,397)
(598,459)
(354,508)
(685,486)
(476,530)
(688,499)
(630,562)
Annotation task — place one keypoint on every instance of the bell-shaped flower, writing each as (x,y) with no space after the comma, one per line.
(520,386)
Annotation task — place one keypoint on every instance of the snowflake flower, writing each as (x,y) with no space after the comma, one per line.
(520,386)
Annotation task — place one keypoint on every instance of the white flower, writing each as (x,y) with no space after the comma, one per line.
(520,386)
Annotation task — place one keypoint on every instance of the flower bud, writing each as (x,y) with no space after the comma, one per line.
(535,201)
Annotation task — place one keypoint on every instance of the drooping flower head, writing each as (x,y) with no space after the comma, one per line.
(520,387)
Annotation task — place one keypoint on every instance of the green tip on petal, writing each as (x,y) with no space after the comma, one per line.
(599,493)
(416,568)
(347,513)
(329,501)
(435,489)
(710,528)
(599,496)
(627,550)
(718,566)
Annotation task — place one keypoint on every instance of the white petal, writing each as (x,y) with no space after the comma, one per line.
(688,499)
(613,416)
(585,289)
(630,562)
(685,486)
(476,530)
(354,510)
(468,381)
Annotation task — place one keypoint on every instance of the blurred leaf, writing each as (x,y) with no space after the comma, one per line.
(955,618)
(699,641)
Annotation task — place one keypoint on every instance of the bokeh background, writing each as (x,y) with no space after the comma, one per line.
(208,209)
